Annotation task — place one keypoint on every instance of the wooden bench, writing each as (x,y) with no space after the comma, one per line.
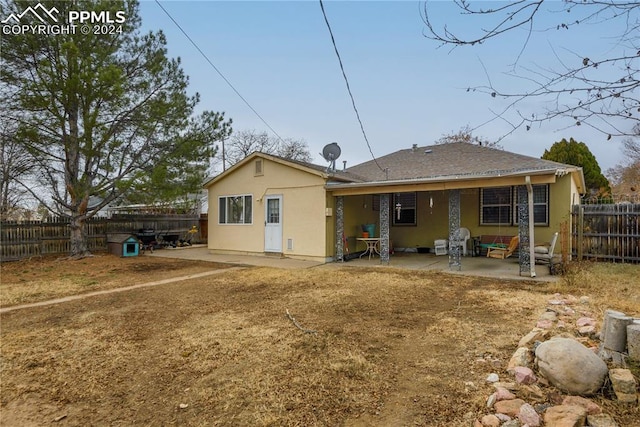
(487,240)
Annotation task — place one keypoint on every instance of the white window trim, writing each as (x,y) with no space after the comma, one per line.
(244,196)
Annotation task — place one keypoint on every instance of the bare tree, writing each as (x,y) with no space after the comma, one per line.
(245,142)
(625,176)
(294,149)
(600,92)
(465,135)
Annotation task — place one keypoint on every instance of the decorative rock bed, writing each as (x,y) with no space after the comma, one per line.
(578,364)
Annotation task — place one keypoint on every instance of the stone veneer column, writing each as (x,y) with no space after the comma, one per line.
(523,230)
(454,229)
(339,228)
(384,228)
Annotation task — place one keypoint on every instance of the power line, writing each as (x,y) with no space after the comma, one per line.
(353,102)
(218,71)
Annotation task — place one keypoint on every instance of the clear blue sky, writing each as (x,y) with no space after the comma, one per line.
(279,56)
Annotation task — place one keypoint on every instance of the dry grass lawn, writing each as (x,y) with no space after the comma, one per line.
(391,347)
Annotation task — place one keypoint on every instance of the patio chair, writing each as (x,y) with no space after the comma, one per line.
(501,252)
(463,237)
(544,253)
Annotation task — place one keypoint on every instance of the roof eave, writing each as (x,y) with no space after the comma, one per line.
(438,179)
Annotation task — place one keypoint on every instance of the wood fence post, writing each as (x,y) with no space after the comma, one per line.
(580,231)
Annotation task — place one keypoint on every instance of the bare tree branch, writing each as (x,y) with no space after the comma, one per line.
(599,92)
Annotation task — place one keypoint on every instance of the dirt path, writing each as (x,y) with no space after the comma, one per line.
(112,291)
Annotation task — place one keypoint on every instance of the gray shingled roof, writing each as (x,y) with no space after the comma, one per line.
(454,159)
(337,174)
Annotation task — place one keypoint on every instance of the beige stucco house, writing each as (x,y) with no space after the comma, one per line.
(269,205)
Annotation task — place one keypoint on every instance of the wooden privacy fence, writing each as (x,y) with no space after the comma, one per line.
(607,232)
(24,239)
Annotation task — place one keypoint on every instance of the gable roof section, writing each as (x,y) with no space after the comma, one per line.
(453,160)
(321,171)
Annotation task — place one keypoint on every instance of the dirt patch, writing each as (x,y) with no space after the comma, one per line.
(47,278)
(392,348)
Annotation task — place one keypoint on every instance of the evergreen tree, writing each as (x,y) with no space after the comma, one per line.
(96,110)
(578,154)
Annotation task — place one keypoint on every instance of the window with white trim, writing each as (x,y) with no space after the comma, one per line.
(235,209)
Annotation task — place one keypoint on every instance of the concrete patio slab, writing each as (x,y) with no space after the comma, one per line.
(471,266)
(201,253)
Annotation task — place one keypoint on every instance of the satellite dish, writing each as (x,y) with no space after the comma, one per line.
(331,152)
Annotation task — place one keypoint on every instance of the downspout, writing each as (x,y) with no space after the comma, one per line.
(532,255)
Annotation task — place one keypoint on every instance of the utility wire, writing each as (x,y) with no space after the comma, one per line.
(353,102)
(218,71)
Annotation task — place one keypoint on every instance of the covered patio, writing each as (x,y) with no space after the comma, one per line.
(473,266)
(428,198)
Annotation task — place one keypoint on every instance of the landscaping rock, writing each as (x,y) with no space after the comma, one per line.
(565,416)
(504,394)
(532,392)
(570,366)
(633,341)
(529,416)
(520,358)
(587,330)
(524,375)
(490,421)
(492,378)
(591,407)
(544,324)
(503,417)
(491,400)
(509,407)
(601,420)
(585,321)
(624,385)
(549,315)
(533,336)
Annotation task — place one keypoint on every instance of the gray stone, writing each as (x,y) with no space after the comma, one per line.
(511,423)
(633,341)
(615,335)
(533,336)
(491,400)
(570,366)
(520,358)
(624,385)
(601,420)
(549,315)
(605,321)
(492,378)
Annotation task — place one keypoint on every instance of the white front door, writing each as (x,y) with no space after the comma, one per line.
(273,224)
